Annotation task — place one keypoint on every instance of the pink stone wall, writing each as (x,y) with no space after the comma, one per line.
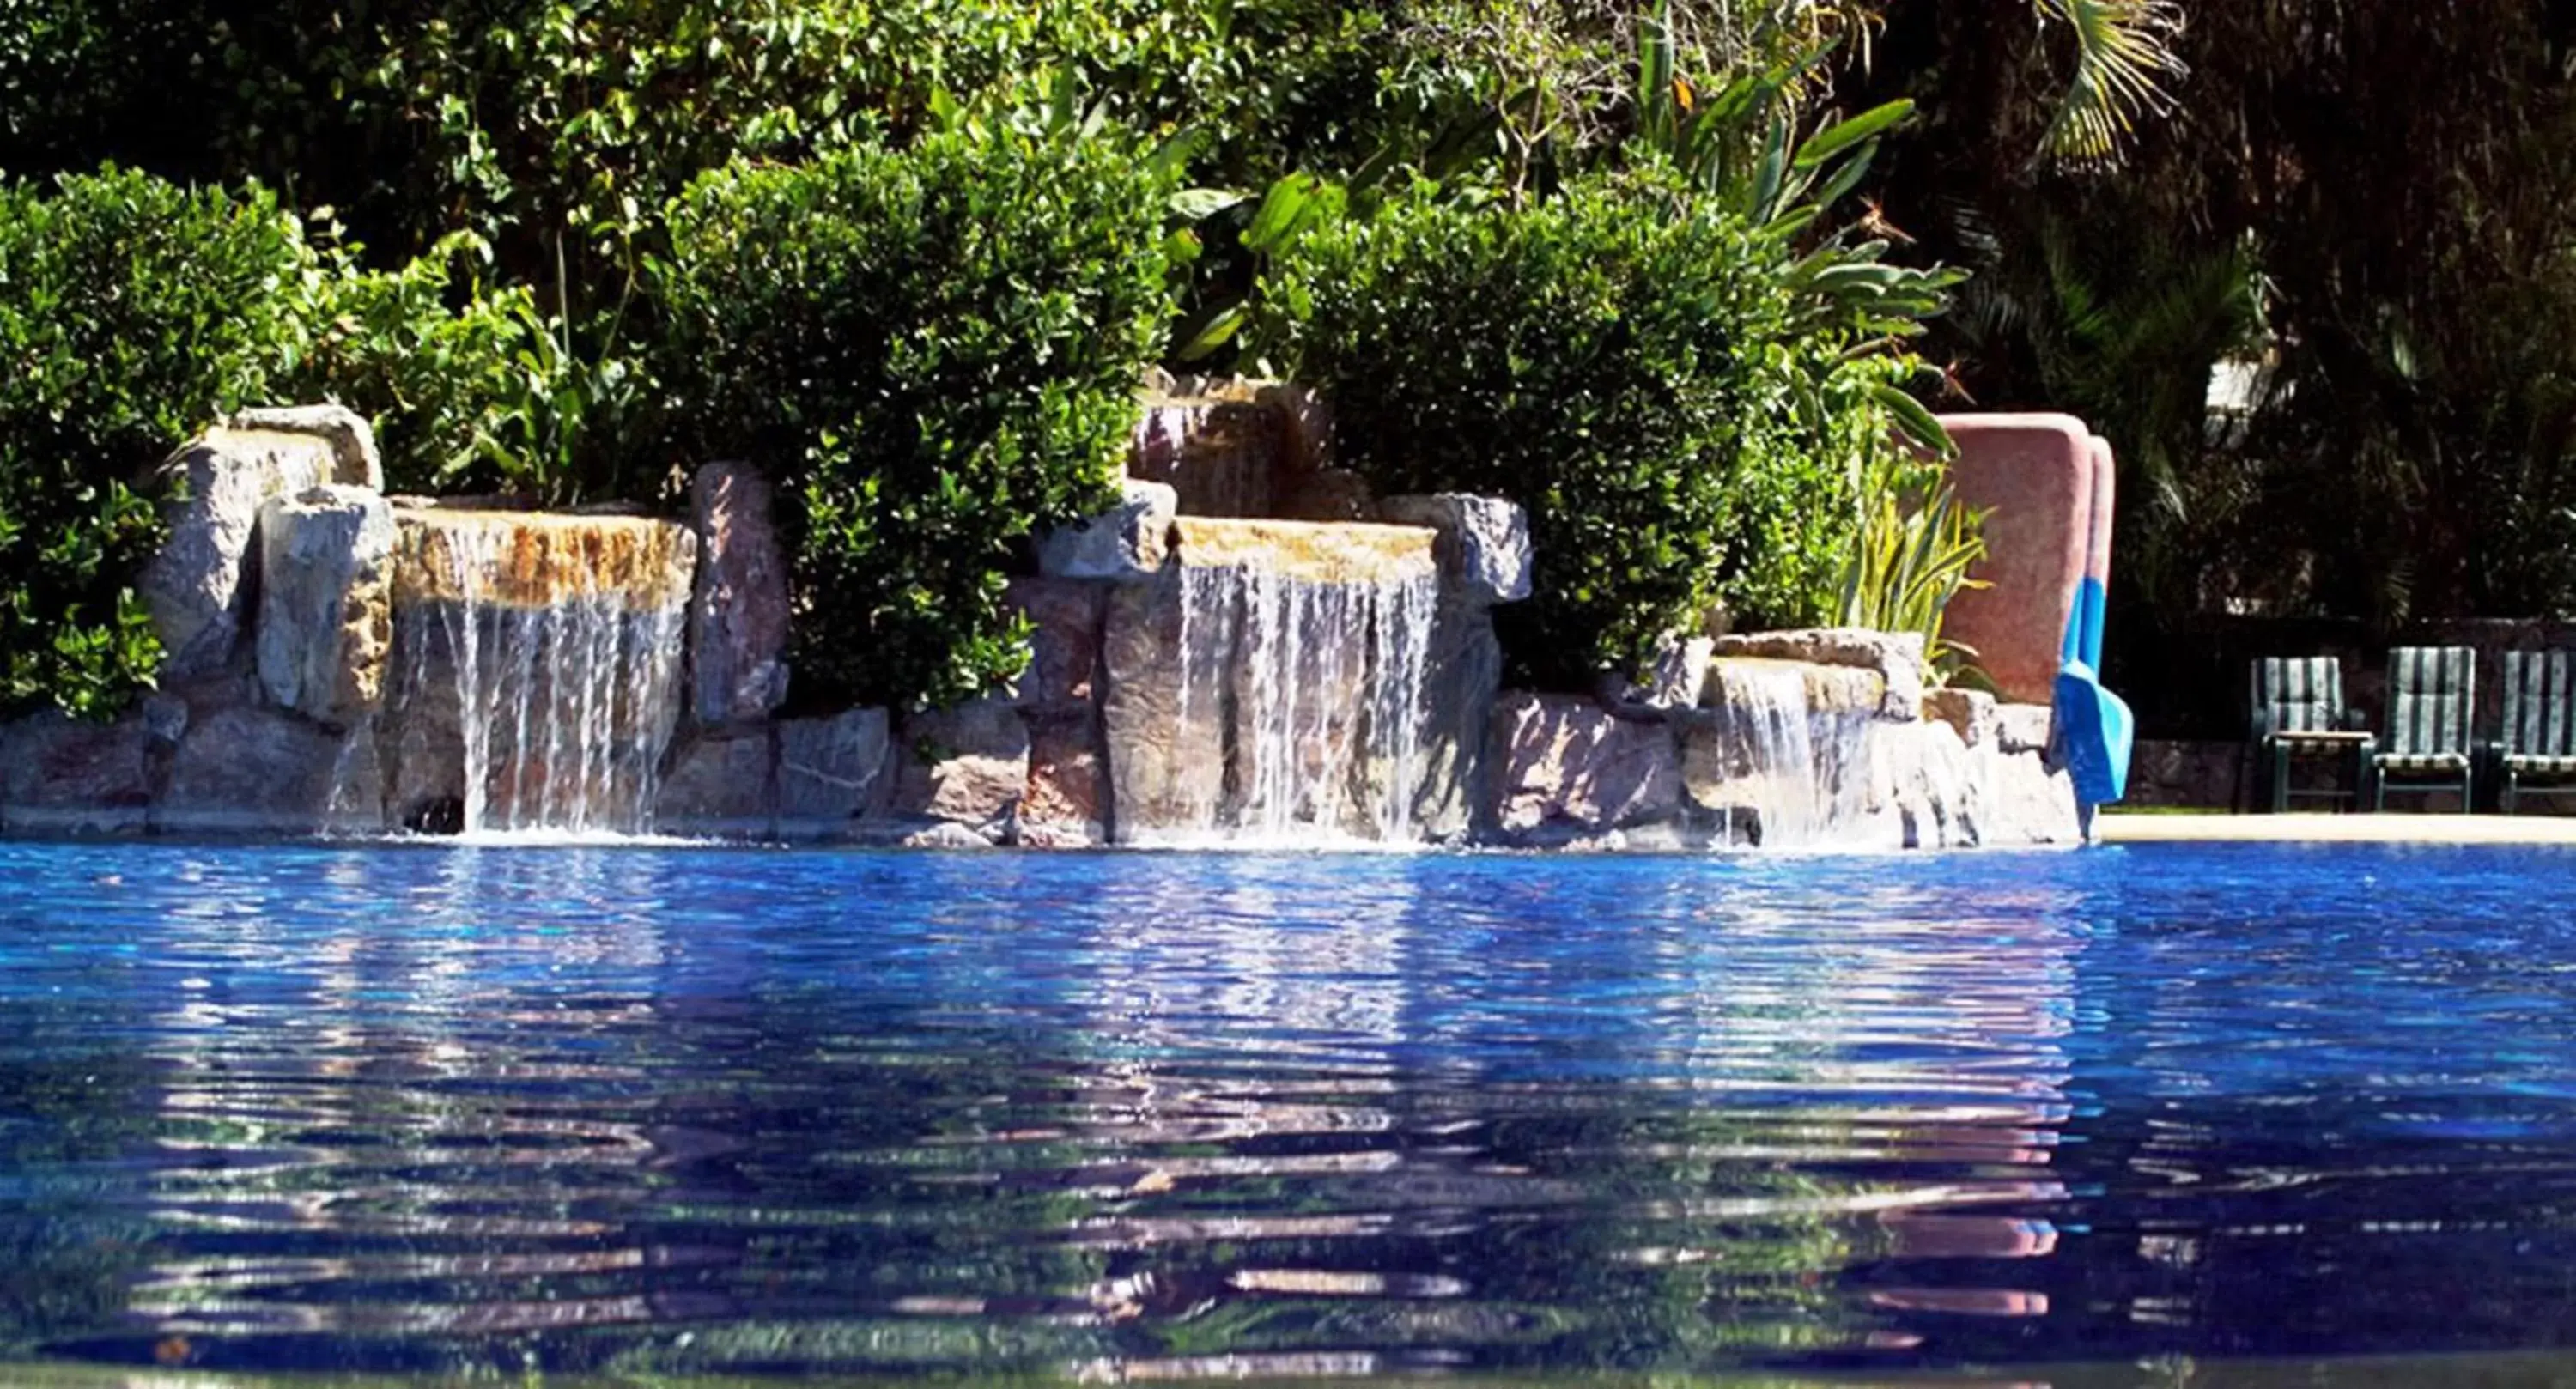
(2034,474)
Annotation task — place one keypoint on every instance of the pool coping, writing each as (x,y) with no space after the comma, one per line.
(2219,827)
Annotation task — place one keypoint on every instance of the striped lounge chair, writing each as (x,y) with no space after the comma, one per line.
(2539,723)
(2298,712)
(2432,696)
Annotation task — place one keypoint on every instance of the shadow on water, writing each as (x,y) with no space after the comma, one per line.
(645,1114)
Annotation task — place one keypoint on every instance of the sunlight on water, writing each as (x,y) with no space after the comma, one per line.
(1177,1116)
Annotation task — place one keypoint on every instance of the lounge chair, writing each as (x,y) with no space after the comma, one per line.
(2432,696)
(2539,724)
(2298,713)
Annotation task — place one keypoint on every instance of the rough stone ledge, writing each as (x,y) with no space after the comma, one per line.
(1896,656)
(1127,544)
(1484,546)
(353,441)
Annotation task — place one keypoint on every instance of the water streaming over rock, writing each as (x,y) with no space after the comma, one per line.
(1789,761)
(1298,660)
(537,671)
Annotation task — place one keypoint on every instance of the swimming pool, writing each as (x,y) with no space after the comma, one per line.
(647,1111)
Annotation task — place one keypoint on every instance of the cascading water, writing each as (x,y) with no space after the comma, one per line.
(1307,680)
(537,671)
(1792,768)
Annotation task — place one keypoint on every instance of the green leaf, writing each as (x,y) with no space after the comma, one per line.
(1836,138)
(1280,213)
(1913,420)
(1199,204)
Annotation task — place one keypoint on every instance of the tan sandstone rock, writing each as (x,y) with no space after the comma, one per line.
(326,602)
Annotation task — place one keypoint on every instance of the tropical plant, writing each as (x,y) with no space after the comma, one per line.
(1915,550)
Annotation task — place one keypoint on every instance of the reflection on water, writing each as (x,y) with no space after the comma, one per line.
(1154,1116)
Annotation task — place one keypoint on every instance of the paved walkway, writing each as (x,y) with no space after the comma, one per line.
(2221,828)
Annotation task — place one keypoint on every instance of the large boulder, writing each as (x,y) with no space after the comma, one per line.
(964,765)
(1126,544)
(1565,767)
(1462,674)
(195,586)
(1064,617)
(738,612)
(721,785)
(326,602)
(355,460)
(1066,804)
(831,772)
(61,774)
(2024,801)
(1220,457)
(260,771)
(1484,546)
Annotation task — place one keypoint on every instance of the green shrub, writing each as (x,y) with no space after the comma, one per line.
(131,312)
(471,389)
(1626,361)
(935,350)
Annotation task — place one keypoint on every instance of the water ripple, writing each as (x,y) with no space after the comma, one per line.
(1165,1116)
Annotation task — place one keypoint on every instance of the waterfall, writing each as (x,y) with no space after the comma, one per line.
(1315,686)
(536,672)
(1793,769)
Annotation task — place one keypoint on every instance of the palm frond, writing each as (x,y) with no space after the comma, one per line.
(2124,53)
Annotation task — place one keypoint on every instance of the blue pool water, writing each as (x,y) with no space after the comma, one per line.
(766,1112)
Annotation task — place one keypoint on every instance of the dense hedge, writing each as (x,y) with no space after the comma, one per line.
(1623,359)
(912,257)
(936,349)
(131,312)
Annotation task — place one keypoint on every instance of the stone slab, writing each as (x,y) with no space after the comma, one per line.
(738,608)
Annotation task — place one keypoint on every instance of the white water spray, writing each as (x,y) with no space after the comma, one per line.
(1319,688)
(555,710)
